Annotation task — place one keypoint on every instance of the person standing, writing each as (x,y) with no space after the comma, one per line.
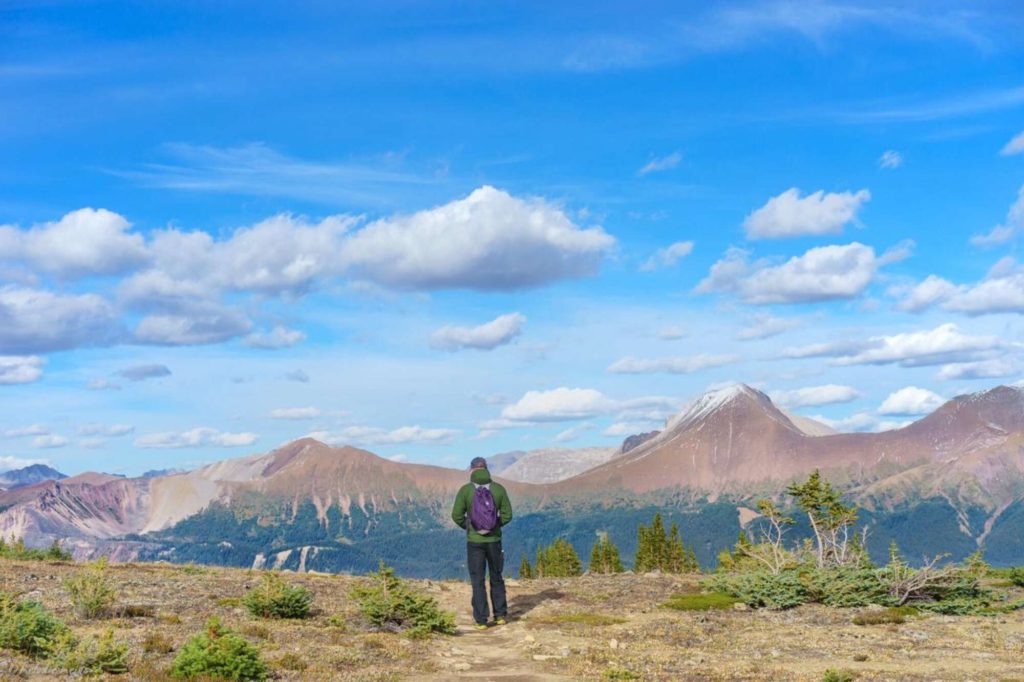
(482,507)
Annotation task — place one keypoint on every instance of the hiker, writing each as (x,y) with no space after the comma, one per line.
(482,508)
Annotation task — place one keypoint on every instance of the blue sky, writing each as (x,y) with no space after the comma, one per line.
(447,229)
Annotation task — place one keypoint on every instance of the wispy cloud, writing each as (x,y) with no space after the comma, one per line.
(659,164)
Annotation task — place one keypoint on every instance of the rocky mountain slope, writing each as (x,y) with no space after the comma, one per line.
(34,473)
(950,482)
(548,465)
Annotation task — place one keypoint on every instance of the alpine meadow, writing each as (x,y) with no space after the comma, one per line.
(512,341)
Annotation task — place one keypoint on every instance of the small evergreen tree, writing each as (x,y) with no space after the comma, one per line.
(604,557)
(558,560)
(525,570)
(661,551)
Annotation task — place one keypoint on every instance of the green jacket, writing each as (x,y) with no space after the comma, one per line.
(464,500)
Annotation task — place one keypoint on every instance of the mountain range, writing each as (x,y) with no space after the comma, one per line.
(951,482)
(34,473)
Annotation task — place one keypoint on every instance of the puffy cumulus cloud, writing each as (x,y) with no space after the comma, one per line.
(48,441)
(670,365)
(488,241)
(890,159)
(278,337)
(559,404)
(911,400)
(84,242)
(828,349)
(927,293)
(995,368)
(210,325)
(20,369)
(659,164)
(764,326)
(296,413)
(1014,146)
(1002,291)
(372,435)
(1008,229)
(813,396)
(36,321)
(668,257)
(498,332)
(143,372)
(942,345)
(195,438)
(825,273)
(112,431)
(790,215)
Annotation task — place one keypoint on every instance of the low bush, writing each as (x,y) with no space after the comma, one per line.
(157,643)
(762,589)
(701,601)
(28,627)
(833,675)
(90,655)
(274,598)
(90,590)
(894,615)
(291,661)
(219,653)
(847,587)
(1016,575)
(615,674)
(390,604)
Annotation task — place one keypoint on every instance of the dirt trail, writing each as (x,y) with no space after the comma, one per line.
(501,653)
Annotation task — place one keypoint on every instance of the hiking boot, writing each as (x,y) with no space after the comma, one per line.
(480,626)
(500,621)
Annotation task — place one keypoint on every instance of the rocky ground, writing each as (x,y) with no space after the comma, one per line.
(590,628)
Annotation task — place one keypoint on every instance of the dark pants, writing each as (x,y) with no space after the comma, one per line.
(481,556)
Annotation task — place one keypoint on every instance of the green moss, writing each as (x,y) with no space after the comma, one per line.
(702,601)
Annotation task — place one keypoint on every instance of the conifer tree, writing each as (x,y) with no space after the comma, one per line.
(604,557)
(525,570)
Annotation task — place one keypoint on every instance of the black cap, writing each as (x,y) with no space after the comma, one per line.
(478,463)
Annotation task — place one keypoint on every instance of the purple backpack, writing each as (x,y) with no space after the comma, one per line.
(483,513)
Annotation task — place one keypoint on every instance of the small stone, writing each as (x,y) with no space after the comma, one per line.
(529,639)
(462,666)
(564,652)
(614,643)
(740,606)
(543,657)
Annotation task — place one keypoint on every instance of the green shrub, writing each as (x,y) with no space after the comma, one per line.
(91,592)
(27,627)
(274,598)
(848,587)
(615,674)
(90,655)
(762,589)
(389,604)
(832,675)
(894,615)
(701,601)
(1016,575)
(219,653)
(291,661)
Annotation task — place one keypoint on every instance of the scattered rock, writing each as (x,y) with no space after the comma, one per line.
(613,644)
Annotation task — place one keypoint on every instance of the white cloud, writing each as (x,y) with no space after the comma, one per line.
(670,365)
(297,375)
(489,241)
(83,242)
(789,215)
(861,421)
(1014,146)
(821,274)
(911,400)
(995,368)
(668,257)
(372,435)
(941,345)
(927,293)
(671,333)
(813,396)
(664,163)
(572,433)
(890,159)
(626,429)
(213,326)
(20,369)
(30,430)
(113,431)
(764,326)
(1008,230)
(829,349)
(50,440)
(195,438)
(559,404)
(36,321)
(296,413)
(498,332)
(143,372)
(278,337)
(103,385)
